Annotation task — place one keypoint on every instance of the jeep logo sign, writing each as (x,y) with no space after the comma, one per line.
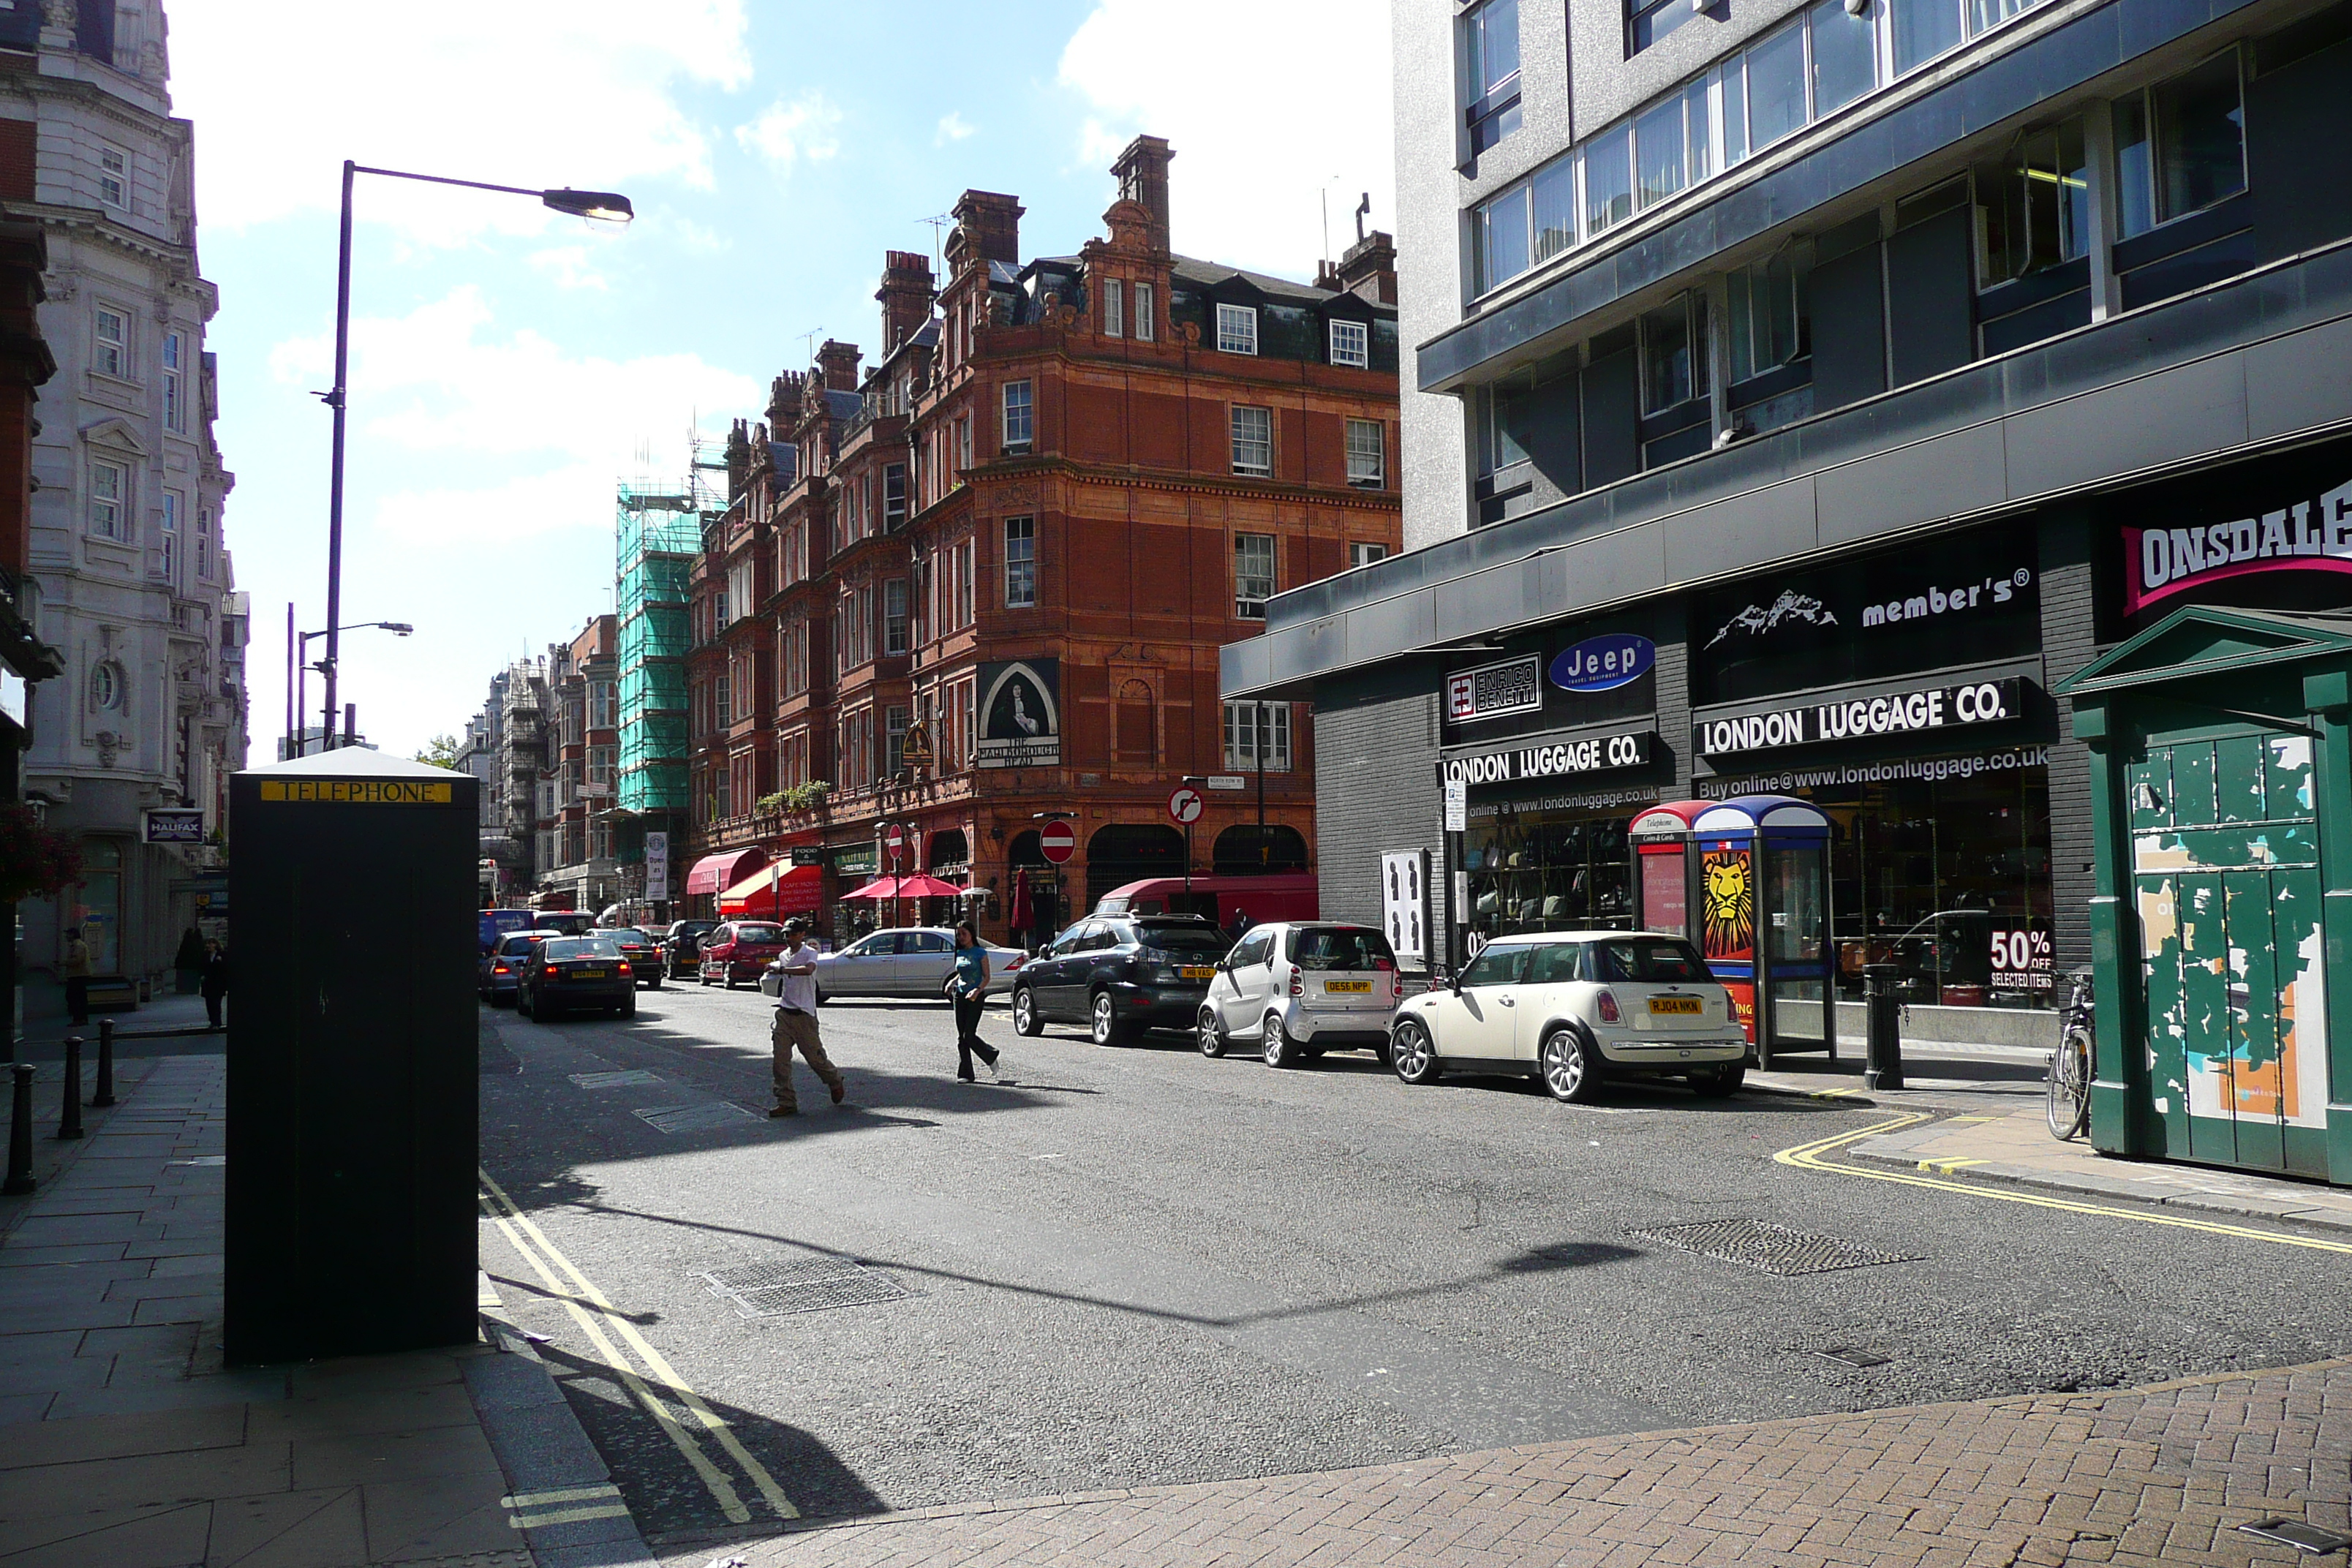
(1862,718)
(1603,663)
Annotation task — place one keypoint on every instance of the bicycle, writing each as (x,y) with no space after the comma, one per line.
(2069,1090)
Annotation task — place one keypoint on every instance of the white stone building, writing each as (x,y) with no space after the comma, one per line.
(130,566)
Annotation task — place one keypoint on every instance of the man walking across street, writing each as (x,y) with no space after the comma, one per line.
(215,984)
(77,970)
(796,1021)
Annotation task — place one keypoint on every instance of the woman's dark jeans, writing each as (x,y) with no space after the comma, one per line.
(968,1043)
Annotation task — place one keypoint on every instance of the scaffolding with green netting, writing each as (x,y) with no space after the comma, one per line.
(658,531)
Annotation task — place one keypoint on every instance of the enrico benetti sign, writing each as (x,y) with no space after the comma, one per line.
(1550,759)
(1861,718)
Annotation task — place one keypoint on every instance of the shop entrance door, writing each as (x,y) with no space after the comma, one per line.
(2225,875)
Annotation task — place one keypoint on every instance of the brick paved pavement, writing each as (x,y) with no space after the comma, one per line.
(2140,1476)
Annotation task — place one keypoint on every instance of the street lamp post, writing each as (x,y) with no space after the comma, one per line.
(296,743)
(596,206)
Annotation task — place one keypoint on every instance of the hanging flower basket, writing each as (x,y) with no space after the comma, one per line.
(35,862)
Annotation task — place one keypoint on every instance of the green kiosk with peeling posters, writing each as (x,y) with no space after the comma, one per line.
(351,1060)
(2221,753)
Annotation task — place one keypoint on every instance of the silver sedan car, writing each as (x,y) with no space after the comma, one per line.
(907,960)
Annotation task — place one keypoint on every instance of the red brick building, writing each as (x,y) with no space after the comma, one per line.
(991,575)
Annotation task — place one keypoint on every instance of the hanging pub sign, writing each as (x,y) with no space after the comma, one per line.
(1551,759)
(1020,714)
(2312,535)
(1494,691)
(1861,718)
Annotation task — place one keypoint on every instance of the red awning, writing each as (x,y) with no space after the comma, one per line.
(713,872)
(780,890)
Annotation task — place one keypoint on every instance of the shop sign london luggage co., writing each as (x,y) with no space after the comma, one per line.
(1551,759)
(1861,718)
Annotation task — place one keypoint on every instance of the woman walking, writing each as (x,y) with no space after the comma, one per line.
(970,992)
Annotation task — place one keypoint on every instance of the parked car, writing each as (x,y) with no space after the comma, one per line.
(642,952)
(905,961)
(569,972)
(1120,974)
(495,977)
(681,947)
(738,949)
(1576,1009)
(1296,989)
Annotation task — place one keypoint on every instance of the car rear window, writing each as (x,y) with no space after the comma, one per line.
(1655,960)
(1342,947)
(759,934)
(628,936)
(1188,939)
(601,945)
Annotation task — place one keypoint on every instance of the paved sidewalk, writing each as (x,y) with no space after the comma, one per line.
(125,1443)
(2143,1478)
(2016,1146)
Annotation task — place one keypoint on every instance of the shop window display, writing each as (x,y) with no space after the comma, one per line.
(1538,870)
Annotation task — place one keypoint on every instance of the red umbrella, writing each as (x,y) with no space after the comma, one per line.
(1018,913)
(926,886)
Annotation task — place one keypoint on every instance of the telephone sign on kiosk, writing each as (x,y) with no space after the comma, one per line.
(1184,806)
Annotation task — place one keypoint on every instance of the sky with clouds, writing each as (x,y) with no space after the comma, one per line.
(508,364)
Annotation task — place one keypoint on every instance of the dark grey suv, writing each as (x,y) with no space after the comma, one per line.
(1120,974)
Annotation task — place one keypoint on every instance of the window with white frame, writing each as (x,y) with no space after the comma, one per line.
(176,407)
(1367,454)
(967,583)
(601,763)
(894,616)
(1019,423)
(1490,60)
(603,704)
(1245,724)
(1114,307)
(1362,555)
(963,447)
(1352,343)
(1147,325)
(111,336)
(1253,575)
(170,541)
(110,499)
(894,495)
(114,178)
(1020,563)
(1253,440)
(204,543)
(1237,329)
(894,740)
(725,700)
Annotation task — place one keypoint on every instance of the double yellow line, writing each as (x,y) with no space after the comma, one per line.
(1808,1157)
(592,1310)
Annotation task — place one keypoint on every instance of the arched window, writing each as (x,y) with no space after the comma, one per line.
(1135,737)
(106,686)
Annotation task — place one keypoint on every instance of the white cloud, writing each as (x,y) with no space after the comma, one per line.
(527,92)
(785,133)
(435,385)
(1233,199)
(569,266)
(952,128)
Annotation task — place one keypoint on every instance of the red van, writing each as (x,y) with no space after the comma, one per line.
(738,949)
(1279,896)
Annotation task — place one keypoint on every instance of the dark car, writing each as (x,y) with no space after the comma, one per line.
(738,949)
(643,953)
(1118,974)
(681,947)
(571,922)
(573,972)
(503,965)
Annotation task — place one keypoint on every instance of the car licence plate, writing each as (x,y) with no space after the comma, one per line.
(587,974)
(1669,1004)
(1348,987)
(1198,971)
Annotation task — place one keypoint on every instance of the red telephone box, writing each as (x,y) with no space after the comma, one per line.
(1749,880)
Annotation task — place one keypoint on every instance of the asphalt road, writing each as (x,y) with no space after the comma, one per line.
(1134,1266)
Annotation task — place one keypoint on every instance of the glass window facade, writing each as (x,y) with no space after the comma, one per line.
(1535,869)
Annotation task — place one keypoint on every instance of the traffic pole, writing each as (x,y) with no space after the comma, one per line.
(105,1095)
(69,1113)
(20,1132)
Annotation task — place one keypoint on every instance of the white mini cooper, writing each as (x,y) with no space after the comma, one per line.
(1574,1008)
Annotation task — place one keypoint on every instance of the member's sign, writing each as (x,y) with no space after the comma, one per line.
(2309,536)
(1551,759)
(1495,691)
(1861,718)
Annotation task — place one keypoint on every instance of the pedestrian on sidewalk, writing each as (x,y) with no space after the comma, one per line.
(970,992)
(796,1021)
(215,982)
(77,973)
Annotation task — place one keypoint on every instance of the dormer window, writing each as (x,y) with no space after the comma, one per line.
(1351,344)
(1237,329)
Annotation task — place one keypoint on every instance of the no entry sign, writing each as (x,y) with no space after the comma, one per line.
(894,840)
(1057,841)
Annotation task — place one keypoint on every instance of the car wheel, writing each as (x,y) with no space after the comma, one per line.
(1280,1050)
(1567,1067)
(627,1009)
(1719,1082)
(1025,1020)
(1411,1055)
(1212,1035)
(1103,1019)
(521,1003)
(702,974)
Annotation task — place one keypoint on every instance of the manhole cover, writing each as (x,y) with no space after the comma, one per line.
(779,1289)
(612,1079)
(693,1118)
(1774,1248)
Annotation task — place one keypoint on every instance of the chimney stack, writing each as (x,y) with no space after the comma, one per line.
(1369,268)
(1142,174)
(905,297)
(838,361)
(988,229)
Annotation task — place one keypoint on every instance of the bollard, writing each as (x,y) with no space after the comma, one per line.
(105,1095)
(20,1133)
(1882,1038)
(70,1115)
